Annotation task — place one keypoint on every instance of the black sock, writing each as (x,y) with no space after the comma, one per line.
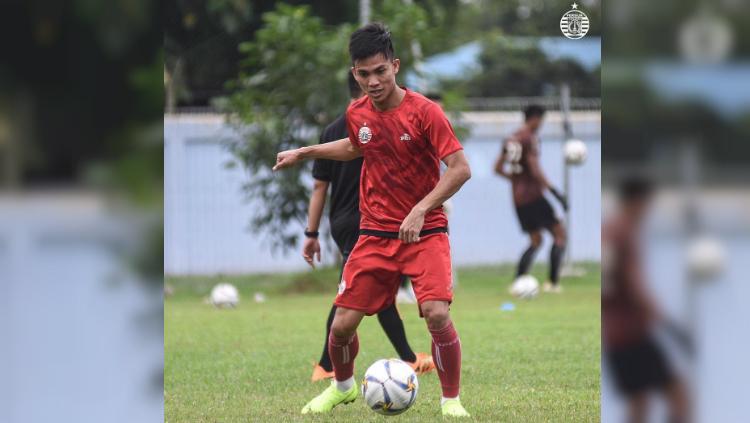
(394,329)
(325,359)
(555,260)
(526,259)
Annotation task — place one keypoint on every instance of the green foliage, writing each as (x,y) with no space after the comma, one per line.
(293,84)
(523,17)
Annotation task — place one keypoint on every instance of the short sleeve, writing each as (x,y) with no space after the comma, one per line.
(322,168)
(440,132)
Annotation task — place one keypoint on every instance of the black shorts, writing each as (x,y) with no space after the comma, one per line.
(639,367)
(345,232)
(536,215)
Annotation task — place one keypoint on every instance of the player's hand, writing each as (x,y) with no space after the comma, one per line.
(411,226)
(287,158)
(310,249)
(560,197)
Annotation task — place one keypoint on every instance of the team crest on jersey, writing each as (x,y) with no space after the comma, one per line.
(365,135)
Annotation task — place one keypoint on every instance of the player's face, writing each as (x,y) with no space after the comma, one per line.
(376,76)
(535,123)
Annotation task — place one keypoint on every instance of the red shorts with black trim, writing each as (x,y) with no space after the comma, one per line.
(372,274)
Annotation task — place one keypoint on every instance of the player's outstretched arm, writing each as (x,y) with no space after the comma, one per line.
(455,176)
(341,150)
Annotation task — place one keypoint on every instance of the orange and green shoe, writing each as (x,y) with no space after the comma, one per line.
(423,364)
(319,373)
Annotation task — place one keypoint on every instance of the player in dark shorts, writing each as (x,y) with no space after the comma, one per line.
(343,177)
(636,360)
(403,137)
(520,152)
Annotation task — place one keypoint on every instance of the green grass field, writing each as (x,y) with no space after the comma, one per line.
(539,363)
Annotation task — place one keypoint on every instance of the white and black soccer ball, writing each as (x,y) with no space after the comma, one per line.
(225,295)
(525,287)
(390,387)
(575,152)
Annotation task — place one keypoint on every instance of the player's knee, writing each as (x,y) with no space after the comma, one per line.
(436,316)
(343,325)
(561,236)
(536,239)
(342,329)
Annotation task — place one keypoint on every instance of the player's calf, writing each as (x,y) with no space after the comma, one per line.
(343,346)
(446,351)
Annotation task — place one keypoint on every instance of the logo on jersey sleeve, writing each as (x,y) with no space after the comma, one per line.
(365,135)
(342,286)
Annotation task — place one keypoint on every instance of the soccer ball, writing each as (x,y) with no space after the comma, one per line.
(224,295)
(575,152)
(705,258)
(525,286)
(390,387)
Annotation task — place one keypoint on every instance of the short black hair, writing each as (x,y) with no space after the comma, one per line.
(533,110)
(370,40)
(635,188)
(354,89)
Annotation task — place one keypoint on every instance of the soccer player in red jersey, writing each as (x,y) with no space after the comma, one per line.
(402,136)
(343,178)
(521,152)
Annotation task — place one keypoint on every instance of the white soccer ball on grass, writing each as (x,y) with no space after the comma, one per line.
(390,387)
(225,295)
(525,287)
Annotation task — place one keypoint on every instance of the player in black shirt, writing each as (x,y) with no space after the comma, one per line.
(343,177)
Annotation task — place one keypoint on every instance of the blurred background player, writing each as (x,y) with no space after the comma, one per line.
(521,152)
(629,314)
(343,177)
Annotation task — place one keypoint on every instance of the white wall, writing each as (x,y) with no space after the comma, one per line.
(206,215)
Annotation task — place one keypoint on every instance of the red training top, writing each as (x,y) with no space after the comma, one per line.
(402,149)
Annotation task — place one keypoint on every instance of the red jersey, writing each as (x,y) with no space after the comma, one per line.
(402,149)
(518,148)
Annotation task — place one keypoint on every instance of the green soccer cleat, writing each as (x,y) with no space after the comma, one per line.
(453,408)
(330,398)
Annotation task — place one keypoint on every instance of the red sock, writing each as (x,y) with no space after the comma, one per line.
(446,352)
(342,352)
